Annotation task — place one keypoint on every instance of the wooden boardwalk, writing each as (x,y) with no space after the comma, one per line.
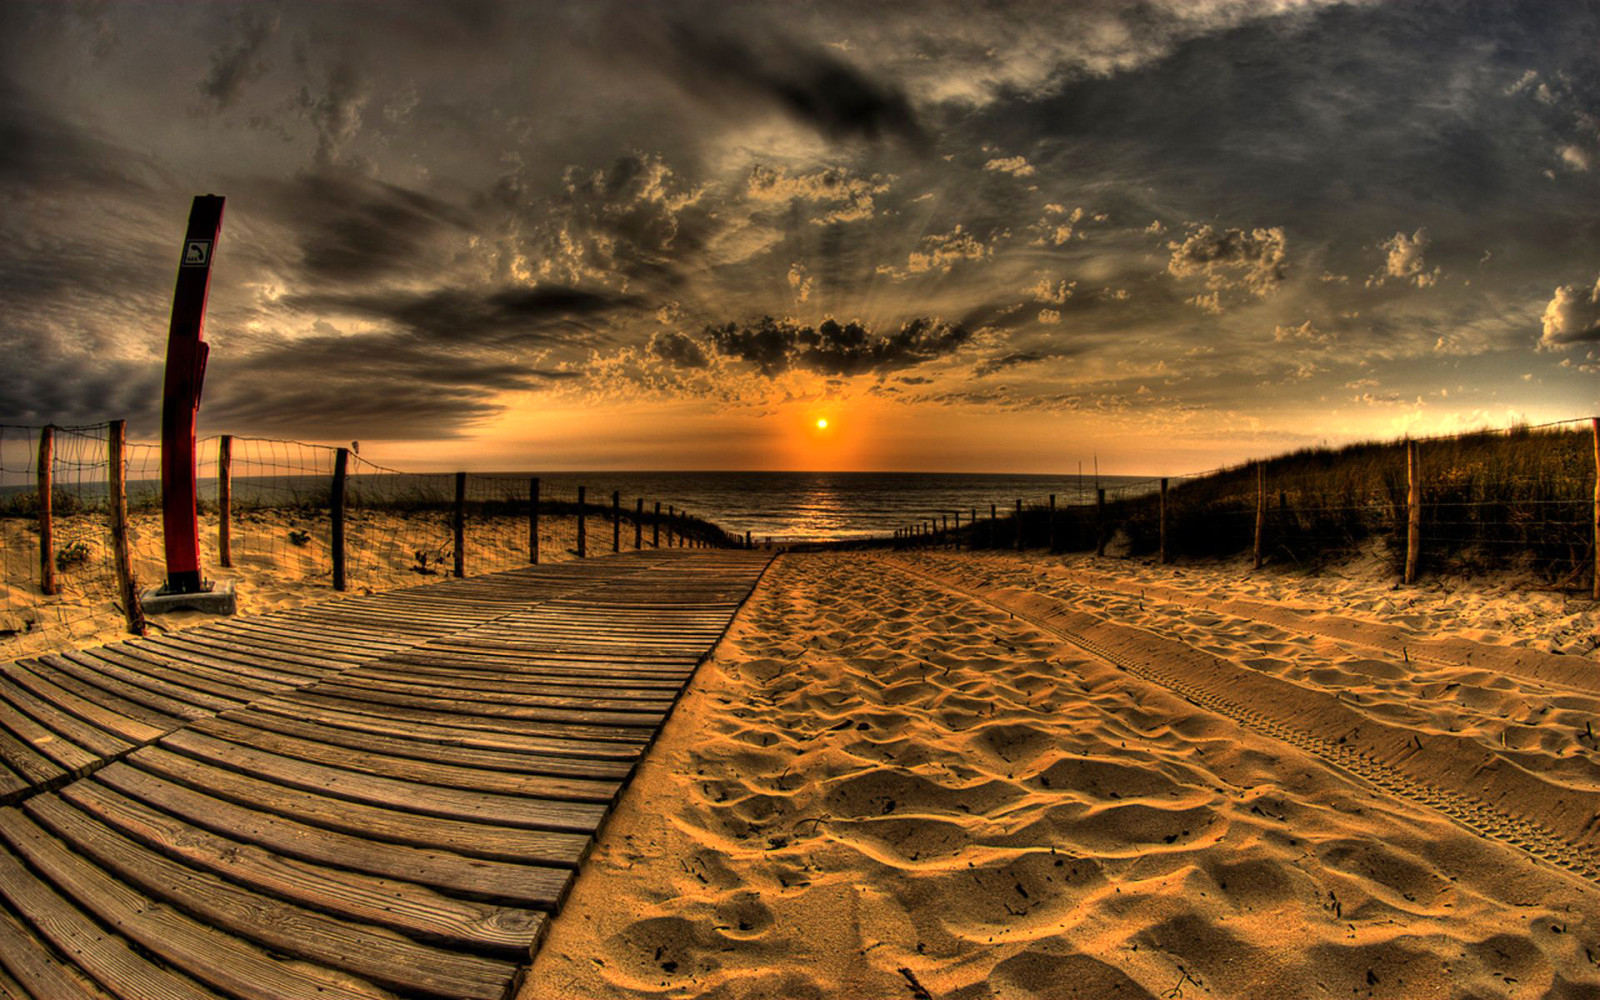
(381,796)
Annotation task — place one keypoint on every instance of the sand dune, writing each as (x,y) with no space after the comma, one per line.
(903,778)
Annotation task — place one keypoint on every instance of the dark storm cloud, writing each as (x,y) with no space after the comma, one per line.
(832,348)
(350,228)
(678,350)
(374,385)
(42,152)
(240,60)
(758,62)
(65,386)
(448,315)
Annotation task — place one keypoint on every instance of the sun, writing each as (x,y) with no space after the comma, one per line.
(822,423)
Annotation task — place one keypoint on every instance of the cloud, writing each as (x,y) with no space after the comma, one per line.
(809,83)
(941,252)
(1572,316)
(335,113)
(1405,261)
(624,224)
(774,346)
(351,229)
(1305,333)
(993,366)
(513,314)
(800,281)
(1056,226)
(1016,166)
(849,198)
(677,350)
(1228,260)
(1055,294)
(239,62)
(375,385)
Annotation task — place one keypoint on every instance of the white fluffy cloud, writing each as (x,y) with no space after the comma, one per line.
(1572,316)
(1405,260)
(1230,259)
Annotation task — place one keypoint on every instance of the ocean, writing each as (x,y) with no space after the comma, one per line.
(785,506)
(829,506)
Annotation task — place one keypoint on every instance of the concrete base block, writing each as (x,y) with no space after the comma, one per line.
(219,600)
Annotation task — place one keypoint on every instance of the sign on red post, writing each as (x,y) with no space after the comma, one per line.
(186,370)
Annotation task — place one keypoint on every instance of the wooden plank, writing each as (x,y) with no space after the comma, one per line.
(208,681)
(108,958)
(247,730)
(449,678)
(377,954)
(103,677)
(446,744)
(219,960)
(415,910)
(519,884)
(84,734)
(36,969)
(54,746)
(631,738)
(503,706)
(479,840)
(129,721)
(401,796)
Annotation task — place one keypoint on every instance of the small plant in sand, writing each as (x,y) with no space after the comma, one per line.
(299,536)
(427,561)
(70,555)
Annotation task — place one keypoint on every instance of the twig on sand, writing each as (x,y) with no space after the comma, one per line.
(919,991)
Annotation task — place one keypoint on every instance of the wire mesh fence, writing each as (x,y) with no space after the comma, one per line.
(287,521)
(1523,497)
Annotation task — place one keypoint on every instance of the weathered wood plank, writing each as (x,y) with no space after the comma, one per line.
(481,840)
(216,959)
(405,906)
(108,958)
(373,953)
(247,730)
(36,970)
(401,796)
(520,884)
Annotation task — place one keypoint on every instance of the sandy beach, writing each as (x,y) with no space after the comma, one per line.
(909,776)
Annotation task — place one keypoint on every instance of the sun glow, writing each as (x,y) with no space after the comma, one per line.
(822,423)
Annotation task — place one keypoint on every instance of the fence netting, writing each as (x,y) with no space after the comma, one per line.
(1522,497)
(265,513)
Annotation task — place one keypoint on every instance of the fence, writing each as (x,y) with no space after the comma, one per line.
(1528,495)
(292,521)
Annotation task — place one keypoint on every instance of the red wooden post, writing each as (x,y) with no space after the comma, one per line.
(186,369)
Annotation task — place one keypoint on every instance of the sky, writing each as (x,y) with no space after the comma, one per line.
(997,237)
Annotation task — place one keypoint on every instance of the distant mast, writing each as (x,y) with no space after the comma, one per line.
(180,401)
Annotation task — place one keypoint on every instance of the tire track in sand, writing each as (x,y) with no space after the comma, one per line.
(1468,811)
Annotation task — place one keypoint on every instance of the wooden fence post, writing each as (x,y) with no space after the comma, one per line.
(638,525)
(1413,511)
(46,485)
(1099,521)
(1261,509)
(341,464)
(1019,525)
(994,529)
(616,520)
(747,544)
(461,524)
(655,528)
(955,539)
(1164,556)
(583,530)
(1051,542)
(533,520)
(944,542)
(1596,426)
(672,523)
(117,482)
(225,500)
(972,529)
